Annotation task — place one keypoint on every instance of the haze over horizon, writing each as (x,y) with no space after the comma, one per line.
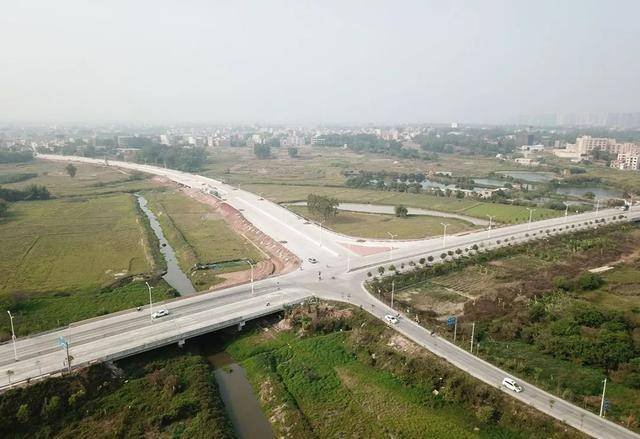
(316,62)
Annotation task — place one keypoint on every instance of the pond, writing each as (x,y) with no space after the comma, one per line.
(174,275)
(600,192)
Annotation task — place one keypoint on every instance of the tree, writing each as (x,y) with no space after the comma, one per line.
(51,407)
(262,151)
(4,206)
(71,170)
(322,207)
(590,281)
(23,414)
(293,152)
(401,211)
(381,270)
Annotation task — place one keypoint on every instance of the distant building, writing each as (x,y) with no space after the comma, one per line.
(537,148)
(524,139)
(526,161)
(626,161)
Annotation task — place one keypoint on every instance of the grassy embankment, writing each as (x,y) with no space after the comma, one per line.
(199,236)
(341,373)
(541,315)
(372,225)
(164,393)
(71,257)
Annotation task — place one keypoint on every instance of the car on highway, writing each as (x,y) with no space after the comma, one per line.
(312,260)
(512,385)
(391,319)
(160,313)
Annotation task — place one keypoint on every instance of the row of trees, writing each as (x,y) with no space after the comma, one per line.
(15,156)
(174,157)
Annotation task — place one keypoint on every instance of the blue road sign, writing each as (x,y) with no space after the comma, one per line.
(451,321)
(606,404)
(62,342)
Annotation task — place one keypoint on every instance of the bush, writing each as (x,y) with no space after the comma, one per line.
(590,281)
(486,414)
(423,260)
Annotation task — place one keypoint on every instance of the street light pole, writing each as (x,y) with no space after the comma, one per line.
(473,331)
(393,290)
(251,265)
(150,301)
(489,229)
(444,235)
(320,225)
(530,216)
(348,261)
(566,211)
(13,337)
(604,389)
(391,246)
(597,205)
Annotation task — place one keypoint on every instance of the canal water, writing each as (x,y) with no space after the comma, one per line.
(241,404)
(174,276)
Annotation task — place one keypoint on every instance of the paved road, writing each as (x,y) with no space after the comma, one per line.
(342,272)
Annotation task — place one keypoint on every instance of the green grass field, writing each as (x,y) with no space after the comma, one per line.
(89,180)
(71,244)
(198,235)
(371,225)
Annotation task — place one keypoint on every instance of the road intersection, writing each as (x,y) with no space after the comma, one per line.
(342,265)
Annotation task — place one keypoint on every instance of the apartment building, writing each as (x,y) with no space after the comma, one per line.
(626,161)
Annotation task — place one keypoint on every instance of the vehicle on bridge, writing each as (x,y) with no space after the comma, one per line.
(160,313)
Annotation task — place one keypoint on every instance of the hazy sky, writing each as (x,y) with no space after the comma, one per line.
(315,61)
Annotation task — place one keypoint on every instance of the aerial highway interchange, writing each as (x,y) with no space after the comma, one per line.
(338,274)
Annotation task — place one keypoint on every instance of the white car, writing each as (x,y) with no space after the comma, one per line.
(312,260)
(512,385)
(160,313)
(391,319)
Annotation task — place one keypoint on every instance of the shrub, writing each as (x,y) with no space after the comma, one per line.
(423,260)
(590,281)
(23,414)
(486,414)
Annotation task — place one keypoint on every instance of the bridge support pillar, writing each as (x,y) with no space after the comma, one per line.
(181,343)
(240,325)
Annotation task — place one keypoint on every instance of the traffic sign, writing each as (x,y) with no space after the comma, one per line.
(451,321)
(62,342)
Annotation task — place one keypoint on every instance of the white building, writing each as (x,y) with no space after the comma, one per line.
(626,161)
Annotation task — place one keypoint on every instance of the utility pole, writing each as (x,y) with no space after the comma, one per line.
(150,301)
(566,211)
(473,331)
(597,205)
(604,389)
(489,229)
(393,290)
(444,235)
(13,337)
(530,216)
(348,261)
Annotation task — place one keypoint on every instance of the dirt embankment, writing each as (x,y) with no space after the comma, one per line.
(278,260)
